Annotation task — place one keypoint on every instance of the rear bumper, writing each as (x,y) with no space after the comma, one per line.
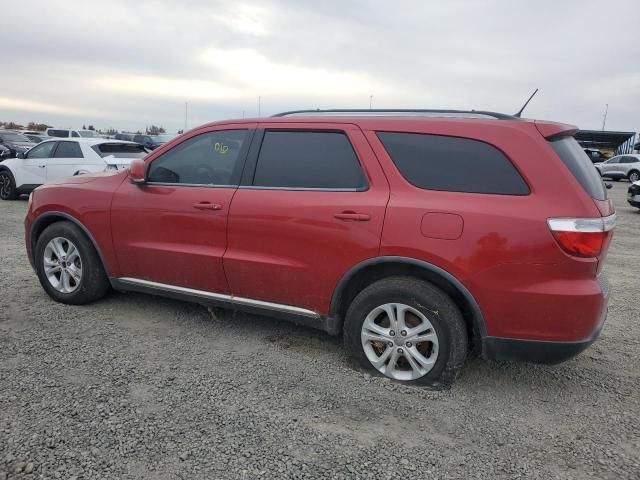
(543,351)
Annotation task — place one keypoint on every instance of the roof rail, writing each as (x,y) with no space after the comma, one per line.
(390,111)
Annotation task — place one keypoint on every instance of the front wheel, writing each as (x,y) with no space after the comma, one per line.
(8,189)
(408,330)
(634,176)
(68,265)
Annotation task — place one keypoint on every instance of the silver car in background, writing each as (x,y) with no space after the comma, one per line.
(621,166)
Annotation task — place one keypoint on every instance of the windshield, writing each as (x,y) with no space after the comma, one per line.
(88,133)
(120,150)
(14,137)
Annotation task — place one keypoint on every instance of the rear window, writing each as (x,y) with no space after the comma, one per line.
(438,162)
(120,150)
(58,133)
(579,164)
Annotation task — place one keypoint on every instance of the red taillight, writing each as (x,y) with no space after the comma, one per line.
(583,237)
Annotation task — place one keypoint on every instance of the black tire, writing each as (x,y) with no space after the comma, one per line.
(633,176)
(8,190)
(93,284)
(427,299)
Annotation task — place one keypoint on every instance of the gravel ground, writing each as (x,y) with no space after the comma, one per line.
(141,387)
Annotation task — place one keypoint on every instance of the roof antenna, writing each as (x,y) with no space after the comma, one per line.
(519,114)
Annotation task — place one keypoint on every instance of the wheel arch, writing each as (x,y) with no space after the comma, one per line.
(5,168)
(48,218)
(371,270)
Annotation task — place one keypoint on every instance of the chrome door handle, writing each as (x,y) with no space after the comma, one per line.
(207,206)
(41,166)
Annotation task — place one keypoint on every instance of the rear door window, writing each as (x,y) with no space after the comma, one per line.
(438,162)
(308,160)
(68,150)
(579,164)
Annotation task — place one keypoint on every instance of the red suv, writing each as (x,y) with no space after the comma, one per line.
(420,236)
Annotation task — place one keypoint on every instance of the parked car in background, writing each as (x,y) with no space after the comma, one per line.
(417,238)
(150,141)
(36,138)
(596,156)
(633,194)
(124,136)
(55,159)
(621,166)
(66,133)
(12,143)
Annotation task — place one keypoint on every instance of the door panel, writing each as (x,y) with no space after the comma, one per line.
(292,246)
(68,159)
(173,229)
(160,235)
(33,171)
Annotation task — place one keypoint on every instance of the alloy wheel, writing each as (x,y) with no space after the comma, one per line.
(63,265)
(634,177)
(399,341)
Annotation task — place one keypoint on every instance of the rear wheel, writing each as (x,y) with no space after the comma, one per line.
(634,176)
(68,266)
(408,330)
(8,189)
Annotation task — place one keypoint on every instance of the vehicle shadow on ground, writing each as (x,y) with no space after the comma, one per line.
(477,375)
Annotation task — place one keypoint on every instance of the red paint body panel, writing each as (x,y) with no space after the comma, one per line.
(443,226)
(159,235)
(87,198)
(551,129)
(287,246)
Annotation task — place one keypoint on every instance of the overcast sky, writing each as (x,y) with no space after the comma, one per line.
(128,64)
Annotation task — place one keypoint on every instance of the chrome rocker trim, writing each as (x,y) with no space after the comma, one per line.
(125,282)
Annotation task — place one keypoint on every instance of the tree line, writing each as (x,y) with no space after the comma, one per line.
(41,127)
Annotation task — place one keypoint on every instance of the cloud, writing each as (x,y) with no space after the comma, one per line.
(41,107)
(128,64)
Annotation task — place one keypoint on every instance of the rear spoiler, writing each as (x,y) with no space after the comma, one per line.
(553,130)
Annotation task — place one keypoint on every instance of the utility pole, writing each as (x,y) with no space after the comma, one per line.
(604,120)
(259,105)
(185,115)
(370,101)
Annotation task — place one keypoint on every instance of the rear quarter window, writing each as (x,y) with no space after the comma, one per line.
(580,166)
(438,162)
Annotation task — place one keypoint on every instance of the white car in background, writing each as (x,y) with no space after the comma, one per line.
(622,166)
(56,158)
(70,133)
